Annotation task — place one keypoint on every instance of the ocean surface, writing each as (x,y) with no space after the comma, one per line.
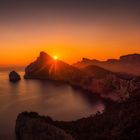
(60,101)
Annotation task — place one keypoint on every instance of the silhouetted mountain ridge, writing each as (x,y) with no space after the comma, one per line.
(127,63)
(45,67)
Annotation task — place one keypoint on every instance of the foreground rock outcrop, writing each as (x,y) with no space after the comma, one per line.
(29,126)
(120,121)
(14,76)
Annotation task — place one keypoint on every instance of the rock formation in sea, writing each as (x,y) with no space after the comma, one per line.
(29,126)
(119,121)
(14,76)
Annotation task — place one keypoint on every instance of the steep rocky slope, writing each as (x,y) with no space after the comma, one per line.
(114,87)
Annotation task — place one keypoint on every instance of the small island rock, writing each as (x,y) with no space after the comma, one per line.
(14,76)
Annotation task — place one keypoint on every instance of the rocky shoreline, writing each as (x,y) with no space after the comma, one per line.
(118,122)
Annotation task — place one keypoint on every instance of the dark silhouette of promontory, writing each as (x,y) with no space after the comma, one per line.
(106,83)
(47,68)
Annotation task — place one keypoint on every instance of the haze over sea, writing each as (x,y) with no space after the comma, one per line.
(60,101)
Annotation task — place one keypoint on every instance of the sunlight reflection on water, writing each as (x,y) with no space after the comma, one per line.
(59,101)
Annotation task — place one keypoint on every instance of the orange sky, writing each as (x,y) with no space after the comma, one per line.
(20,49)
(69,38)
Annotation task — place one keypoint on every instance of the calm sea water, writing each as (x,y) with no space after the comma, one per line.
(59,101)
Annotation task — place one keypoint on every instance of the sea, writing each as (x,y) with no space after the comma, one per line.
(59,101)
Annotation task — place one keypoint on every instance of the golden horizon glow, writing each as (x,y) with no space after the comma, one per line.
(23,58)
(69,42)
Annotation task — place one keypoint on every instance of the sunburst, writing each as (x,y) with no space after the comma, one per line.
(55,58)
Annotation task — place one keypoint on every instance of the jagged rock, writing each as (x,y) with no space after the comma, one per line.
(29,126)
(14,76)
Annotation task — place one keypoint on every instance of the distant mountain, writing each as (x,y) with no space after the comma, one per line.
(47,68)
(128,64)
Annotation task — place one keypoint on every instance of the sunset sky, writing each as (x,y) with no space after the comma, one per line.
(70,30)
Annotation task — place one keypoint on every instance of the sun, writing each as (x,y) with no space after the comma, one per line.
(55,57)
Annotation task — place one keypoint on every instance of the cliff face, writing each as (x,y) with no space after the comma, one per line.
(114,87)
(128,63)
(120,121)
(29,126)
(108,84)
(45,67)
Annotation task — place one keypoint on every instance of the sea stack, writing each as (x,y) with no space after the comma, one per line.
(14,76)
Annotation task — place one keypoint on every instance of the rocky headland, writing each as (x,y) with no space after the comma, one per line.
(106,83)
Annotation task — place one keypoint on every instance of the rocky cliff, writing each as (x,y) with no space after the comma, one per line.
(114,87)
(29,126)
(45,67)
